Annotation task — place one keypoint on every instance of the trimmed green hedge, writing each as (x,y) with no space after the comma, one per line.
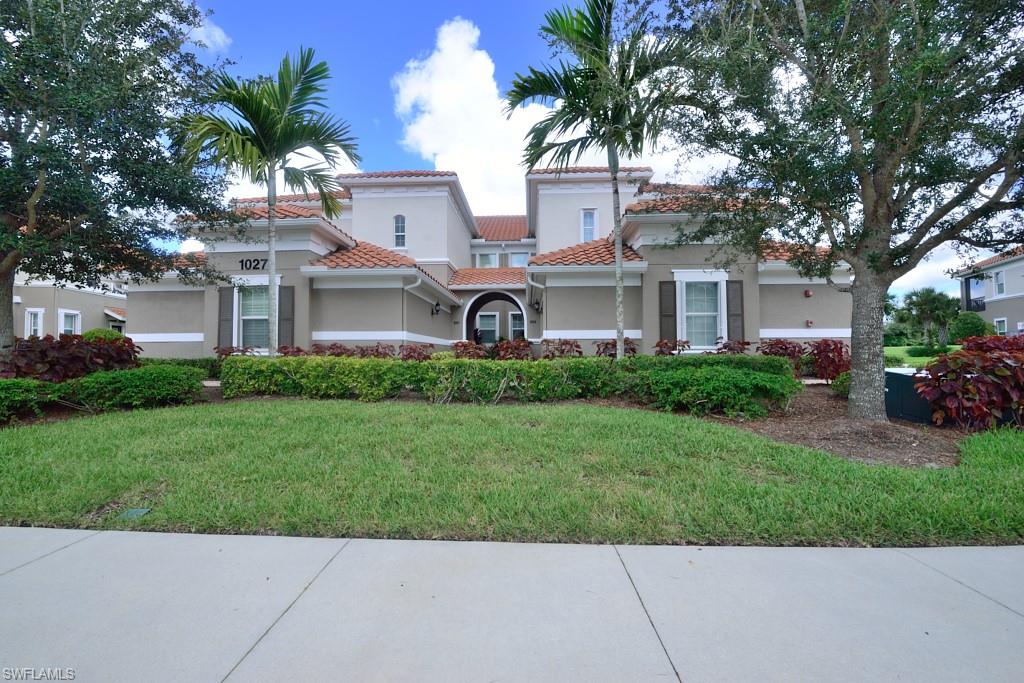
(209,365)
(20,397)
(145,387)
(726,383)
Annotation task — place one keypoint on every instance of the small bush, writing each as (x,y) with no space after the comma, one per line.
(414,352)
(145,387)
(291,351)
(670,347)
(925,351)
(470,349)
(378,350)
(59,359)
(893,361)
(513,349)
(442,355)
(337,350)
(897,334)
(969,324)
(995,342)
(19,397)
(211,366)
(608,348)
(560,348)
(975,389)
(726,390)
(730,346)
(841,384)
(101,334)
(831,357)
(783,348)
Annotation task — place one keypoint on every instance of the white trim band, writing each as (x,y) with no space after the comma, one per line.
(589,334)
(370,335)
(805,332)
(156,337)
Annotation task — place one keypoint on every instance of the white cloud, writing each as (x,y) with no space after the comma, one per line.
(190,245)
(453,116)
(933,271)
(212,36)
(304,159)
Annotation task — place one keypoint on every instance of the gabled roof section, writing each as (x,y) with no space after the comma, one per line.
(116,313)
(487,277)
(782,251)
(599,252)
(281,211)
(999,258)
(365,255)
(670,198)
(571,170)
(502,228)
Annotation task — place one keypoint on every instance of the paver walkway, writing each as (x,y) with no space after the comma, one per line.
(125,606)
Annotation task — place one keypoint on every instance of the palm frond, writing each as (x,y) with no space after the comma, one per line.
(321,179)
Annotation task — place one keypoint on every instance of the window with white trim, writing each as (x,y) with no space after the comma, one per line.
(117,327)
(34,322)
(399,231)
(999,281)
(701,308)
(1000,324)
(70,322)
(487,260)
(588,225)
(254,317)
(487,323)
(516,326)
(518,259)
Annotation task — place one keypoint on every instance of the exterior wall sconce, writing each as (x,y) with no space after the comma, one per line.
(435,309)
(536,305)
(809,323)
(808,293)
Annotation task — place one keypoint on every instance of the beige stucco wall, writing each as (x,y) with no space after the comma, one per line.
(1013,274)
(591,308)
(425,221)
(356,310)
(786,307)
(457,238)
(170,312)
(1012,309)
(89,304)
(558,210)
(419,319)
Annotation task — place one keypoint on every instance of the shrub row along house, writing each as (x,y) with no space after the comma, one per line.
(409,262)
(994,287)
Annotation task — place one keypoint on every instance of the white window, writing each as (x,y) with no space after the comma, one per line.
(254,317)
(400,231)
(700,302)
(34,322)
(999,279)
(1000,324)
(69,322)
(487,260)
(588,225)
(487,323)
(516,326)
(518,259)
(117,327)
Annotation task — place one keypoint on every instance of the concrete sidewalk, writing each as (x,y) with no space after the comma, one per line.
(123,606)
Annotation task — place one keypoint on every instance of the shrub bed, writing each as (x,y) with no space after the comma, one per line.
(20,397)
(145,387)
(59,359)
(724,383)
(976,389)
(211,366)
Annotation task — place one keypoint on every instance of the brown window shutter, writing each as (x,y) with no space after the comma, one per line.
(225,316)
(734,309)
(667,309)
(286,317)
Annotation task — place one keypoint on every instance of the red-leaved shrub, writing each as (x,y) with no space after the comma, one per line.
(67,357)
(378,350)
(831,357)
(470,349)
(414,352)
(730,346)
(975,389)
(995,342)
(335,349)
(785,348)
(513,349)
(670,347)
(607,348)
(561,348)
(225,351)
(291,351)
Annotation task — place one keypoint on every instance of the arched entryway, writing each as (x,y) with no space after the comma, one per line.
(477,303)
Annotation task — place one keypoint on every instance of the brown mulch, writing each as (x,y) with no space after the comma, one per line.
(816,418)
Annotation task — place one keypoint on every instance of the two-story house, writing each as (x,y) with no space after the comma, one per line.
(994,287)
(43,307)
(407,261)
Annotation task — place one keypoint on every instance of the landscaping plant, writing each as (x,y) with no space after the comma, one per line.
(470,349)
(730,346)
(670,347)
(968,324)
(513,349)
(783,348)
(25,396)
(975,389)
(560,348)
(830,357)
(607,348)
(414,352)
(101,334)
(144,387)
(59,359)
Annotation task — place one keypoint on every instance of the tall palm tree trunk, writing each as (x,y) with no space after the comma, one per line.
(620,314)
(272,257)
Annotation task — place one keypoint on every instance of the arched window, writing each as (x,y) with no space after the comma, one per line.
(399,230)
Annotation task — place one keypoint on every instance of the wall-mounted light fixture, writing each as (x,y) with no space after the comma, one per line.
(435,309)
(808,293)
(536,305)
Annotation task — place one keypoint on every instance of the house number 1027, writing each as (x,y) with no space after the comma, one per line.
(252,263)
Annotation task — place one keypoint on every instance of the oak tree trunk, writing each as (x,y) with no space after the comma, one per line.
(7,309)
(620,314)
(272,259)
(867,381)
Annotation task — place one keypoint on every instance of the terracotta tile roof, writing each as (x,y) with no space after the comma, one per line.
(193,258)
(1018,251)
(589,169)
(397,174)
(599,252)
(672,189)
(313,197)
(781,251)
(502,228)
(283,211)
(119,312)
(365,255)
(671,204)
(488,276)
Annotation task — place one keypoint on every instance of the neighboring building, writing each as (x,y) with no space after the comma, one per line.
(42,307)
(994,288)
(407,261)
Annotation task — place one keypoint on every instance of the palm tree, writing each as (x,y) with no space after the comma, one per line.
(268,122)
(930,308)
(602,99)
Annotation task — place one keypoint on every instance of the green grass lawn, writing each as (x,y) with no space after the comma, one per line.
(911,362)
(527,473)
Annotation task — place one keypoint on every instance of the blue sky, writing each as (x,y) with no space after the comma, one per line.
(421,85)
